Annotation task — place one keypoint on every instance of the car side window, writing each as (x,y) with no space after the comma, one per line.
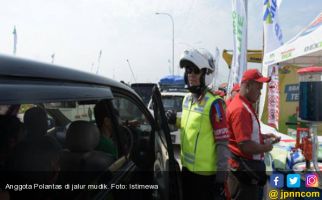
(139,129)
(131,115)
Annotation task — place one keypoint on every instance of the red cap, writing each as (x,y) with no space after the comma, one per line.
(236,88)
(254,74)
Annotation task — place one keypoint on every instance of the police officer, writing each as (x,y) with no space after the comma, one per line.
(204,134)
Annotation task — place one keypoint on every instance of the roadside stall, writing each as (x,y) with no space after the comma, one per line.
(304,50)
(300,76)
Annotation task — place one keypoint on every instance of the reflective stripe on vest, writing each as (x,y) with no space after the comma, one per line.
(255,133)
(198,152)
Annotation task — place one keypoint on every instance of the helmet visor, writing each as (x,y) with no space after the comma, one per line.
(190,69)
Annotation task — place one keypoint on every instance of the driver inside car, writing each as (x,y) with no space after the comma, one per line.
(103,119)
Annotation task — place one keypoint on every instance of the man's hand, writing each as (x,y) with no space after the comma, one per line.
(269,135)
(250,147)
(171,116)
(271,138)
(267,147)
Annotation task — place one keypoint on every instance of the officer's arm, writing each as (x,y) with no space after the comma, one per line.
(219,124)
(222,157)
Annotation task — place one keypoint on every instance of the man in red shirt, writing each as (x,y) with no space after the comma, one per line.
(246,142)
(233,93)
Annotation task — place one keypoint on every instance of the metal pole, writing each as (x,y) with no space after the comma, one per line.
(99,61)
(14,40)
(315,146)
(52,58)
(127,60)
(246,11)
(167,14)
(92,67)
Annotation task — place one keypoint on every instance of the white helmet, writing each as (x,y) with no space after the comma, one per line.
(202,59)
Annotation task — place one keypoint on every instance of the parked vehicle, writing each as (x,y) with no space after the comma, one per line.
(144,156)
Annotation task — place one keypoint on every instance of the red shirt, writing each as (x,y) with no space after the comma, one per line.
(228,101)
(240,125)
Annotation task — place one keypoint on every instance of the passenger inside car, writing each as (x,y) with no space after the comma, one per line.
(11,133)
(103,120)
(34,161)
(41,155)
(36,122)
(80,157)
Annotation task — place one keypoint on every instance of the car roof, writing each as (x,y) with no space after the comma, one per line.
(174,93)
(143,84)
(12,67)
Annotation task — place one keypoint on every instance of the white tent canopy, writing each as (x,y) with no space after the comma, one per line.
(305,49)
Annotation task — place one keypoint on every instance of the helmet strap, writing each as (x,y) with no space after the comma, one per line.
(197,90)
(203,79)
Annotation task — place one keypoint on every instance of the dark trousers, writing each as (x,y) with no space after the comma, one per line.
(197,187)
(241,191)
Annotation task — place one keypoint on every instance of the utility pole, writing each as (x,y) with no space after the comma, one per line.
(52,58)
(14,40)
(167,14)
(92,67)
(127,60)
(98,61)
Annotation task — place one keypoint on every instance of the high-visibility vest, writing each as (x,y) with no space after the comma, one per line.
(198,152)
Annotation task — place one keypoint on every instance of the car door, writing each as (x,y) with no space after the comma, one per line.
(166,168)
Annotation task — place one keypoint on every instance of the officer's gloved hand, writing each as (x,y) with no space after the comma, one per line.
(220,193)
(171,116)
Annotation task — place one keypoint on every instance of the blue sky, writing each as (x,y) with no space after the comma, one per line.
(76,30)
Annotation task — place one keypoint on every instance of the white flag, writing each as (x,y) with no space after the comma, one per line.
(273,39)
(239,63)
(216,60)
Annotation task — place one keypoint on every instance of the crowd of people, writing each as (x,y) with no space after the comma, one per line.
(222,146)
